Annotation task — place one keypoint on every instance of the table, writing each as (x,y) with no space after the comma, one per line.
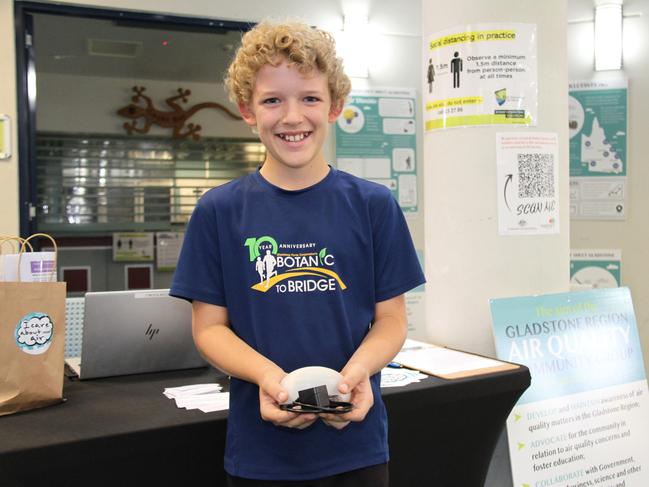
(123,432)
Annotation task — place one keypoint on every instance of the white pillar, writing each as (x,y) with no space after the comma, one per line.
(467,261)
(9,206)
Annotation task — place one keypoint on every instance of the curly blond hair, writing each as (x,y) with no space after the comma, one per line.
(272,43)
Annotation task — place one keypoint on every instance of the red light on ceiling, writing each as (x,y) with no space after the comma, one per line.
(165,43)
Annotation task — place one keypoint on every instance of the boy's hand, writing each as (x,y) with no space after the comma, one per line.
(271,395)
(356,379)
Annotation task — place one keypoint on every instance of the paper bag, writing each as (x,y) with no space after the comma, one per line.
(33,267)
(32,341)
(5,257)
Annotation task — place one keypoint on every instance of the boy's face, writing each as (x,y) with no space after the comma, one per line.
(292,113)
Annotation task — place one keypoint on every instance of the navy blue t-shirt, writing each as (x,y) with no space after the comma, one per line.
(300,273)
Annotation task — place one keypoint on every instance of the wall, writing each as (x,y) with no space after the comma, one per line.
(397,44)
(88,104)
(631,235)
(467,261)
(9,222)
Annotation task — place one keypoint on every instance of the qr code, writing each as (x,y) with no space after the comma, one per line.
(535,175)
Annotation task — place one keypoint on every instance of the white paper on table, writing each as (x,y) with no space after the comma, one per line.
(192,389)
(205,397)
(443,361)
(411,344)
(400,377)
(222,404)
(194,402)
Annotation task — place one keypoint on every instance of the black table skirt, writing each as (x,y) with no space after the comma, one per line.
(123,432)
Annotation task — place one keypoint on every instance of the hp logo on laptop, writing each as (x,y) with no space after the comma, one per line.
(151,332)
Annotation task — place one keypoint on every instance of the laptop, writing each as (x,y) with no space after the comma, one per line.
(132,332)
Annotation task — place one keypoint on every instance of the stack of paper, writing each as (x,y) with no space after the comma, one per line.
(206,397)
(400,377)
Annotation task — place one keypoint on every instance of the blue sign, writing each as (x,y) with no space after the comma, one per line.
(571,342)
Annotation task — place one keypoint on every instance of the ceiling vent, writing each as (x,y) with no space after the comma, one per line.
(111,48)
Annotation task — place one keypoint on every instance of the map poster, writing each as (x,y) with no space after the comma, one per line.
(584,419)
(598,149)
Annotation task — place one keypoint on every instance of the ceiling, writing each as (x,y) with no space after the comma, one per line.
(188,54)
(61,46)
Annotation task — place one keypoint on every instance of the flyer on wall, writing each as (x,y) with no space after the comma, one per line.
(598,155)
(376,139)
(481,74)
(584,419)
(595,268)
(528,182)
(168,246)
(133,247)
(416,307)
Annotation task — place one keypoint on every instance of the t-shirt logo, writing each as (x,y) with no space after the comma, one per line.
(292,267)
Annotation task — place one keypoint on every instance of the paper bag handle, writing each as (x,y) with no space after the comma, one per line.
(26,242)
(6,238)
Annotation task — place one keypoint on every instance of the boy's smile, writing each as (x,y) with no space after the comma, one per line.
(298,137)
(292,112)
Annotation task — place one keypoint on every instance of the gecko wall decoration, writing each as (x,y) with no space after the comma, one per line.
(175,118)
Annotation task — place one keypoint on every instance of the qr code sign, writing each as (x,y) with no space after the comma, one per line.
(535,175)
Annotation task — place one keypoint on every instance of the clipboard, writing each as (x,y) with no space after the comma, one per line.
(448,363)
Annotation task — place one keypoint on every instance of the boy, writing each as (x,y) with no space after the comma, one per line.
(295,265)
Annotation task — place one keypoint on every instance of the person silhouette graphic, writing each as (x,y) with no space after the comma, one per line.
(456,68)
(269,262)
(259,267)
(430,77)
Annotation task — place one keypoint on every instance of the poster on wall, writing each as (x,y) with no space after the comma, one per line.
(133,247)
(416,308)
(376,139)
(168,246)
(598,150)
(584,419)
(481,74)
(595,268)
(528,182)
